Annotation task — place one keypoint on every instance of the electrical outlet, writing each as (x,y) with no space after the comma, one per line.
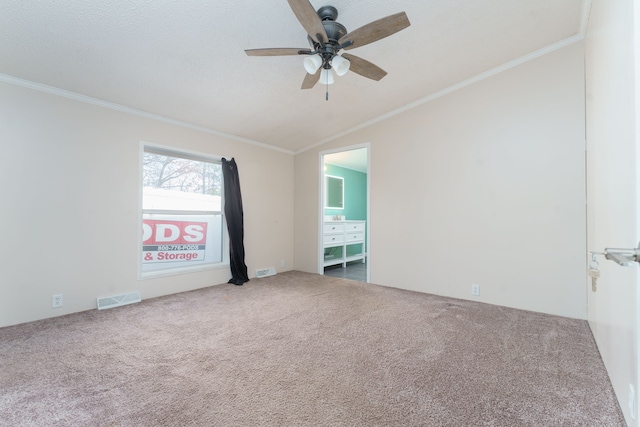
(56,301)
(282,263)
(475,290)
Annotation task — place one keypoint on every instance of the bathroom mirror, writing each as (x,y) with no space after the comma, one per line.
(334,192)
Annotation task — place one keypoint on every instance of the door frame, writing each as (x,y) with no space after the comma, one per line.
(321,154)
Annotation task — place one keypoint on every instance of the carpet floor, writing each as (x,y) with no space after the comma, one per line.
(300,349)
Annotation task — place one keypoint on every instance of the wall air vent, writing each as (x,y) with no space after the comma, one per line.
(118,300)
(264,272)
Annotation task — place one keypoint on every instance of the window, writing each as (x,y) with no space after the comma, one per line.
(182,222)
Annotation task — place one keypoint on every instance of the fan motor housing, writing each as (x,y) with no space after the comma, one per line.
(335,31)
(328,13)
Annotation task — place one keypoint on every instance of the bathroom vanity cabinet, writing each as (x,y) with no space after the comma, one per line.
(340,234)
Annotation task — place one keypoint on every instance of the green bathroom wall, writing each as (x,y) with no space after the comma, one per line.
(355,195)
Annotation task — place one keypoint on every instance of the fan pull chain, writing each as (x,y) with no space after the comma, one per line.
(327,94)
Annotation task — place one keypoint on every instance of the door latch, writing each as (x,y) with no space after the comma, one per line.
(623,257)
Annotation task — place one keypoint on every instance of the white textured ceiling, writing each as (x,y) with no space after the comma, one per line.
(185,60)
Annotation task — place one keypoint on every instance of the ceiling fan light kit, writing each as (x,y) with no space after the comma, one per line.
(312,63)
(340,65)
(328,37)
(326,76)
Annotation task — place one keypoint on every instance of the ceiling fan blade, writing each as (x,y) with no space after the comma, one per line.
(310,80)
(375,30)
(309,19)
(364,67)
(277,51)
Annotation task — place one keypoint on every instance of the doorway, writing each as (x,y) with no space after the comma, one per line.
(344,217)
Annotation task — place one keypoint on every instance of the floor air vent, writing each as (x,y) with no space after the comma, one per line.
(264,272)
(118,300)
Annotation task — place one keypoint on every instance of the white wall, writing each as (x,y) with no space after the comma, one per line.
(484,186)
(69,217)
(612,192)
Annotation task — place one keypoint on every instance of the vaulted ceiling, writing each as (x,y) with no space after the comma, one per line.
(185,60)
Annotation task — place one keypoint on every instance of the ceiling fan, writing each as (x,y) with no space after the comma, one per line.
(328,37)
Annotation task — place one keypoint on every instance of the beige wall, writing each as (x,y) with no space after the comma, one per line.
(70,220)
(484,186)
(612,189)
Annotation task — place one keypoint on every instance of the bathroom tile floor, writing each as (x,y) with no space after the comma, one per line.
(356,270)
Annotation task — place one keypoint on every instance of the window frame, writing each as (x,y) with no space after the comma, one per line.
(149,147)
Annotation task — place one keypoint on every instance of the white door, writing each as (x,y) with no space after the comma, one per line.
(612,159)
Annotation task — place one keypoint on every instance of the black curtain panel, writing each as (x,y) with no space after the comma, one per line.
(235,221)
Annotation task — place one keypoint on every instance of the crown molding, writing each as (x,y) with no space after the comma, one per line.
(479,77)
(128,110)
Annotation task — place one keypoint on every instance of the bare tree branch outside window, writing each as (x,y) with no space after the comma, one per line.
(174,173)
